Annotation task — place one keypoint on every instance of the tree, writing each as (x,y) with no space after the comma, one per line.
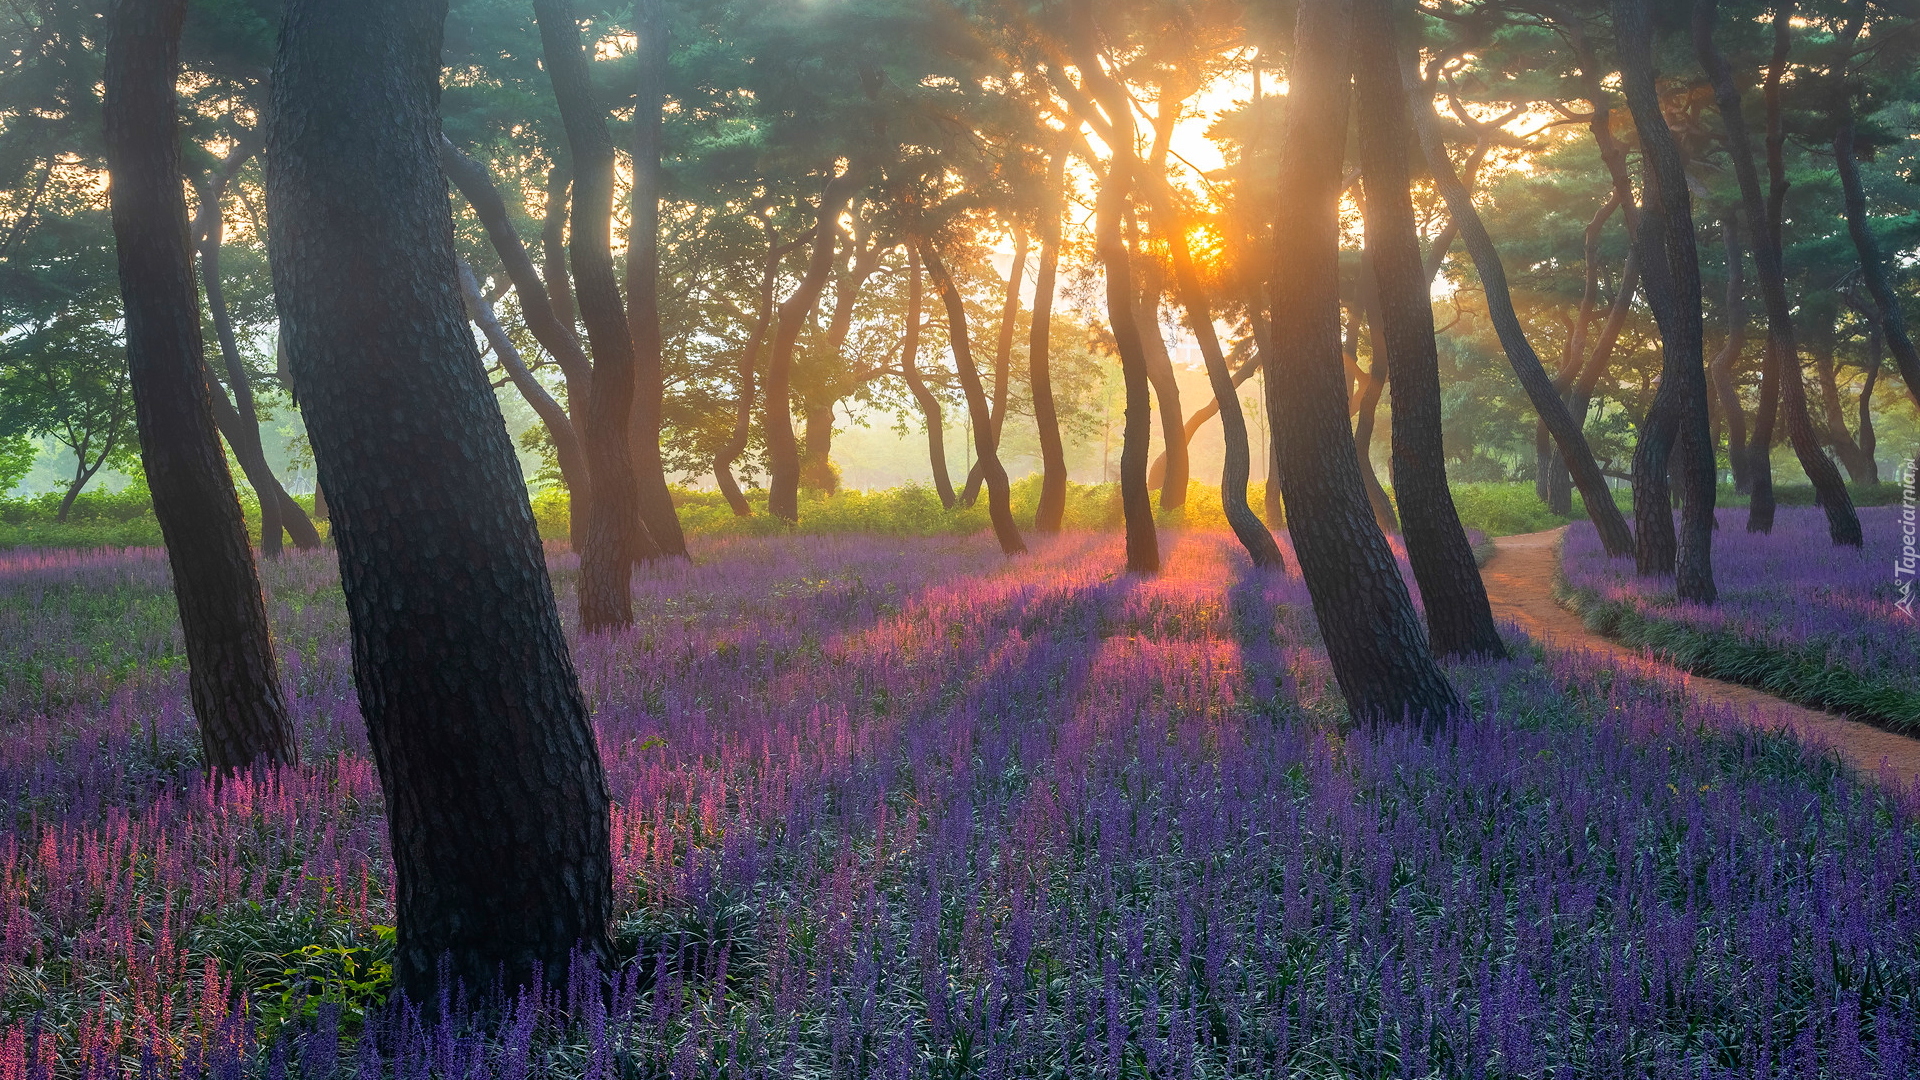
(1612,527)
(986,444)
(464,678)
(616,536)
(643,281)
(67,378)
(1050,512)
(1380,655)
(1459,617)
(1843,524)
(239,419)
(232,674)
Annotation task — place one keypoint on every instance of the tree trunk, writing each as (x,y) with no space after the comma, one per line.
(1683,371)
(816,454)
(1607,519)
(783,450)
(643,283)
(239,421)
(1379,652)
(232,674)
(1873,266)
(1369,386)
(1843,524)
(1136,502)
(1246,525)
(922,396)
(1171,471)
(1459,617)
(1725,387)
(1860,465)
(999,505)
(1003,354)
(736,444)
(566,442)
(464,677)
(616,536)
(1765,230)
(1051,513)
(546,305)
(1551,480)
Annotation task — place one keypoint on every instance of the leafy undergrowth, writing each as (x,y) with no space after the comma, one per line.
(1797,616)
(903,807)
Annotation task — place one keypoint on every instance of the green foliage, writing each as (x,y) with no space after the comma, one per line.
(17,453)
(291,961)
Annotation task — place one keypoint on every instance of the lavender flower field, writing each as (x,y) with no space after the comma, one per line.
(1797,616)
(902,807)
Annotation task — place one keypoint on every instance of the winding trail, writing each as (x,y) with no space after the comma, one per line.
(1520,579)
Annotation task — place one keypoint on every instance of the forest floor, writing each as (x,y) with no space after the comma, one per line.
(1520,583)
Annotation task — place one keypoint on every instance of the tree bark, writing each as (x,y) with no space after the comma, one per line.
(1860,466)
(1247,526)
(999,505)
(1369,387)
(616,536)
(1459,617)
(643,283)
(783,450)
(1136,502)
(1721,371)
(1873,266)
(1668,221)
(1379,652)
(1607,519)
(1003,353)
(922,396)
(1843,524)
(1171,470)
(1551,481)
(1051,513)
(547,319)
(566,441)
(827,382)
(464,678)
(232,674)
(241,425)
(736,444)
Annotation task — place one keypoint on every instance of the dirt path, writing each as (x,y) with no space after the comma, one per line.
(1520,583)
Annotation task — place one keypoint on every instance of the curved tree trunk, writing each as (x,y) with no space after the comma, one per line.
(1003,354)
(1247,526)
(1051,513)
(1378,649)
(736,444)
(922,396)
(1873,266)
(546,304)
(1136,501)
(1843,524)
(1369,387)
(643,284)
(1607,519)
(999,505)
(1459,617)
(783,450)
(1725,387)
(232,674)
(1668,221)
(1552,483)
(241,424)
(615,534)
(566,442)
(464,677)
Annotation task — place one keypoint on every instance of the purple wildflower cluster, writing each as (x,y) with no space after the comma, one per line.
(1831,614)
(901,807)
